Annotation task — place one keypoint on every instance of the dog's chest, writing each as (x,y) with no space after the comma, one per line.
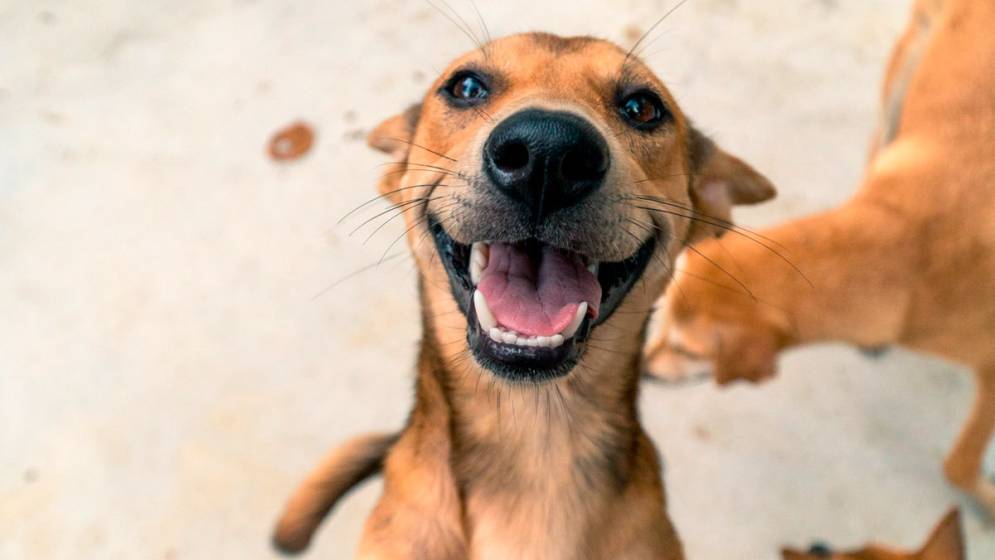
(535,497)
(545,522)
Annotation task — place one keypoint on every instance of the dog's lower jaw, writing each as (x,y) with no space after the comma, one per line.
(488,469)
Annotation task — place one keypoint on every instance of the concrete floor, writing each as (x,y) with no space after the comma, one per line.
(172,360)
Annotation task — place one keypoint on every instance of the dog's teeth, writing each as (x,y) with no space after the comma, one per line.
(593,268)
(484,315)
(479,253)
(503,336)
(571,329)
(495,334)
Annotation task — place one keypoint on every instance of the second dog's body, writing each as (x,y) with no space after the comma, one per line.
(909,260)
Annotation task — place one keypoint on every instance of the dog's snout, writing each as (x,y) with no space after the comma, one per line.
(547,160)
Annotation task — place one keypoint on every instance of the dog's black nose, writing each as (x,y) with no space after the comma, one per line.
(547,160)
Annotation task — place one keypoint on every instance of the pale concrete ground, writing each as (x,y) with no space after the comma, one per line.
(167,373)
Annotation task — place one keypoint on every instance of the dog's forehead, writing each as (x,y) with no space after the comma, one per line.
(550,61)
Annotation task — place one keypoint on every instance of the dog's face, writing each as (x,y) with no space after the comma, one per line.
(548,177)
(946,542)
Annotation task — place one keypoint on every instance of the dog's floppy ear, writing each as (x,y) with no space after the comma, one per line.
(720,182)
(394,135)
(947,540)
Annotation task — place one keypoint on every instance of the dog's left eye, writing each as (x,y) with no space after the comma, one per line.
(643,110)
(467,88)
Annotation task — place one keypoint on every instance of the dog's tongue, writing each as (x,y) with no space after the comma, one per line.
(537,292)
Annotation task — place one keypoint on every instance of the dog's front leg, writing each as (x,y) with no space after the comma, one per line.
(419,516)
(963,465)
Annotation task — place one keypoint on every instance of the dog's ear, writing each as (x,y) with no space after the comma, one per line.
(720,182)
(947,540)
(394,135)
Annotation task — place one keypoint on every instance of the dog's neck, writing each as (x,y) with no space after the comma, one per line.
(536,466)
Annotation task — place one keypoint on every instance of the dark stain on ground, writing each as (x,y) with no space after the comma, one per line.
(632,33)
(700,433)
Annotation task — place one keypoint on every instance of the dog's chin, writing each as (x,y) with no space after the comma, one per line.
(508,340)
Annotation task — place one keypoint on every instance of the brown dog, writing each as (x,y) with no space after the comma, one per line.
(546,182)
(945,542)
(909,260)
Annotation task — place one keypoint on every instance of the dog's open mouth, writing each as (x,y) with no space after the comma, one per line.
(530,307)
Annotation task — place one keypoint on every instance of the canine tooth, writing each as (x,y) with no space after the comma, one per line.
(577,320)
(478,261)
(593,268)
(509,337)
(556,340)
(484,315)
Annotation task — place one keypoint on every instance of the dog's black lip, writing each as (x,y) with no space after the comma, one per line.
(534,364)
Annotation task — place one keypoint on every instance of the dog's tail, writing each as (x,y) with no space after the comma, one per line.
(345,467)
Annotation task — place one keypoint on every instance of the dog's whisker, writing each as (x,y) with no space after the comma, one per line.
(399,213)
(355,273)
(467,30)
(632,51)
(385,196)
(732,229)
(419,146)
(393,208)
(483,22)
(408,163)
(712,262)
(718,221)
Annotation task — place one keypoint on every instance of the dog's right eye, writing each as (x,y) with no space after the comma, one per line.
(466,88)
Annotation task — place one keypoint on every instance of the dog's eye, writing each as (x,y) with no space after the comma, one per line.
(644,110)
(467,88)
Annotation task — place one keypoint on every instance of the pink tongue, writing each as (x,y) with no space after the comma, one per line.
(537,298)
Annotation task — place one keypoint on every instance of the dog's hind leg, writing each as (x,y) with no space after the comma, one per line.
(963,465)
(345,467)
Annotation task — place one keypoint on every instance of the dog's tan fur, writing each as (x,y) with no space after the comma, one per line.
(909,260)
(945,542)
(488,469)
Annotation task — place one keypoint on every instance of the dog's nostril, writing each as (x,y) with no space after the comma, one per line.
(511,156)
(583,163)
